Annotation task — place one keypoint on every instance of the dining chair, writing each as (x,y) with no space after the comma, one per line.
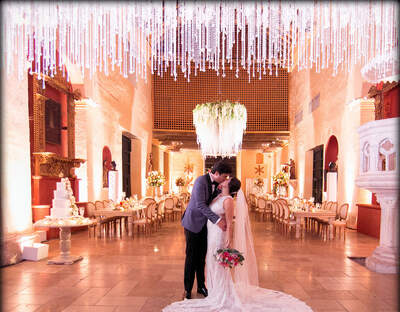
(103,223)
(152,216)
(268,209)
(142,221)
(147,200)
(177,207)
(340,222)
(260,208)
(160,212)
(288,221)
(169,208)
(99,205)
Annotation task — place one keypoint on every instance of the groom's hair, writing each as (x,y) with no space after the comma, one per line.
(234,186)
(222,167)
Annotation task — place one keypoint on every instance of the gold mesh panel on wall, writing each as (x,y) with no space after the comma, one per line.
(266,99)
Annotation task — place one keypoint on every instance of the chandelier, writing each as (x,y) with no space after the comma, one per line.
(42,37)
(219,127)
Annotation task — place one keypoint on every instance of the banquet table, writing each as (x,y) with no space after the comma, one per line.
(130,213)
(313,213)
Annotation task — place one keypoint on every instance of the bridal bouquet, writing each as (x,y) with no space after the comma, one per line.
(229,257)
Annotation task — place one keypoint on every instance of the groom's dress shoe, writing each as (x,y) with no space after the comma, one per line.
(203,291)
(187,295)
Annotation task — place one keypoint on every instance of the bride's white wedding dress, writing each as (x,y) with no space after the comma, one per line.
(225,295)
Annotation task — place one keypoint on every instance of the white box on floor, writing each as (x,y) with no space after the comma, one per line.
(35,252)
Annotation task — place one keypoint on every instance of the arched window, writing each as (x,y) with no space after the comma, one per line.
(365,158)
(387,155)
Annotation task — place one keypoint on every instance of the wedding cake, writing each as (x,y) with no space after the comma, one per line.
(63,200)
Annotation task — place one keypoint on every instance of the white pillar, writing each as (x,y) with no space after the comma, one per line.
(331,186)
(385,258)
(384,183)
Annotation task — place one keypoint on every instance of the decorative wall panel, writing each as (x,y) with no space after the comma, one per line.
(266,99)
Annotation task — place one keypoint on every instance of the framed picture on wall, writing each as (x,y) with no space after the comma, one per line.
(53,122)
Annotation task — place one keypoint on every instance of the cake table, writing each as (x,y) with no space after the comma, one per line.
(65,225)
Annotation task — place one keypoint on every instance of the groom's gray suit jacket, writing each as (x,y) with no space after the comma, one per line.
(198,212)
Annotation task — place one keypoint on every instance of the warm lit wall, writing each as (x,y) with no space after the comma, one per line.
(16,163)
(248,166)
(338,114)
(123,106)
(16,208)
(178,161)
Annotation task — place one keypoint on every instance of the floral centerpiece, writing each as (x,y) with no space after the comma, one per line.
(180,181)
(229,257)
(124,204)
(155,179)
(219,127)
(280,181)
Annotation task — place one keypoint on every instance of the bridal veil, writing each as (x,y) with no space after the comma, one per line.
(246,274)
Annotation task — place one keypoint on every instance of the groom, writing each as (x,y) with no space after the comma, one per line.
(194,221)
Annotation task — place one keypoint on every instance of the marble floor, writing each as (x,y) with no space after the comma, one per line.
(146,273)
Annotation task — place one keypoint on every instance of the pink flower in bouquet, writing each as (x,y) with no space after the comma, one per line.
(229,257)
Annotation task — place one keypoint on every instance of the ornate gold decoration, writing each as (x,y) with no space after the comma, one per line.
(59,83)
(71,127)
(52,165)
(39,139)
(259,170)
(188,168)
(377,92)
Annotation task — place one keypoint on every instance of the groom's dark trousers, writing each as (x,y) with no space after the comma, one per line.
(196,250)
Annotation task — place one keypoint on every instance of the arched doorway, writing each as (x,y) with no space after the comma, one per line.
(331,155)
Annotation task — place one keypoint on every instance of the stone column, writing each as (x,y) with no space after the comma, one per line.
(385,258)
(377,137)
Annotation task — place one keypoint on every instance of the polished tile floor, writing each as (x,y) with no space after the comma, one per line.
(146,273)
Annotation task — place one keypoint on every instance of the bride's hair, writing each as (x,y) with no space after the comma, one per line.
(234,186)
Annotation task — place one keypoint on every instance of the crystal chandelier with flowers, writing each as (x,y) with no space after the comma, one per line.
(219,127)
(42,37)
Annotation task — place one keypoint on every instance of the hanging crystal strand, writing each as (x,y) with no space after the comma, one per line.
(189,45)
(243,33)
(175,40)
(183,40)
(223,34)
(231,33)
(258,42)
(237,41)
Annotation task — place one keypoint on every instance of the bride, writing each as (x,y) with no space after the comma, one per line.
(237,290)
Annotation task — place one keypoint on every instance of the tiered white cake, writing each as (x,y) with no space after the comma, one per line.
(63,199)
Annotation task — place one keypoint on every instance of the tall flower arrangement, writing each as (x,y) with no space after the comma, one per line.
(219,127)
(281,179)
(155,179)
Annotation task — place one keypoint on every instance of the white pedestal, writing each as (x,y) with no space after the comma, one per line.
(113,185)
(377,138)
(331,186)
(65,256)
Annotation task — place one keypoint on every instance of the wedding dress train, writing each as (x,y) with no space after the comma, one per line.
(243,294)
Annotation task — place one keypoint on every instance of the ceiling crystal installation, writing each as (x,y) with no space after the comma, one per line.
(98,36)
